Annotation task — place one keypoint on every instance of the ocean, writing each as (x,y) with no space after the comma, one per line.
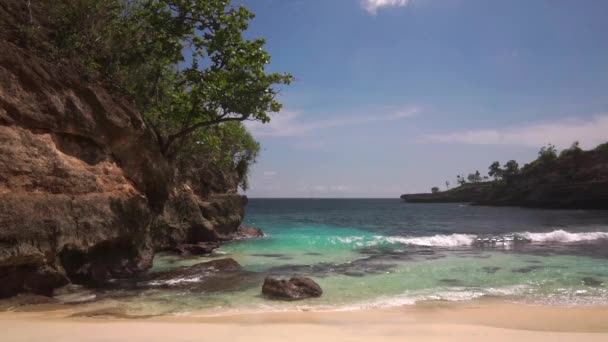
(376,253)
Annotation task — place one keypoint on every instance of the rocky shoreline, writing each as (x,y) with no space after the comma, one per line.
(85,193)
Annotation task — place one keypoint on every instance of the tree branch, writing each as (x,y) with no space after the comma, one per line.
(189,130)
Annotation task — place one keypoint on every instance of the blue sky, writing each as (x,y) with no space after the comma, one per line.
(395,96)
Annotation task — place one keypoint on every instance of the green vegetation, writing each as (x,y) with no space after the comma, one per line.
(574,150)
(495,171)
(547,155)
(435,190)
(184,63)
(602,147)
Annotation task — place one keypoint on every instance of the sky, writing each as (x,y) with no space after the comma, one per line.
(397,96)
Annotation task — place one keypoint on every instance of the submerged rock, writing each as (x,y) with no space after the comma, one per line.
(204,268)
(490,269)
(295,288)
(593,282)
(245,232)
(74,294)
(33,278)
(216,275)
(24,299)
(527,269)
(201,248)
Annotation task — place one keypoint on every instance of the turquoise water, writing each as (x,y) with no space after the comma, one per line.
(382,253)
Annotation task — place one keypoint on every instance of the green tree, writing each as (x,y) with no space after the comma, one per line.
(226,147)
(495,171)
(511,168)
(547,153)
(185,63)
(474,177)
(460,180)
(435,190)
(574,150)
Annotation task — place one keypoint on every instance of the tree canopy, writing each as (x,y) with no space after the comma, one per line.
(185,64)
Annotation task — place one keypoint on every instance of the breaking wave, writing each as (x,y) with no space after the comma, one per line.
(564,236)
(449,240)
(455,240)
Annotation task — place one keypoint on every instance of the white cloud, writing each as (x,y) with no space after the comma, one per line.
(372,6)
(288,123)
(562,133)
(270,173)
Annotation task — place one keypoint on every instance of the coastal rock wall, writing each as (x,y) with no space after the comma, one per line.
(573,181)
(79,181)
(85,194)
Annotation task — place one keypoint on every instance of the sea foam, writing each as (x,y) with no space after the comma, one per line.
(455,240)
(564,236)
(452,240)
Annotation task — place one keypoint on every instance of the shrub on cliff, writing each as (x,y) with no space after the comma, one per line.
(227,148)
(185,64)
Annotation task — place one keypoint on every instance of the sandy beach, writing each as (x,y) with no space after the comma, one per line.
(473,321)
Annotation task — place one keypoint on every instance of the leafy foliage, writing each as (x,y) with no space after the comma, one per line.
(495,171)
(227,147)
(511,169)
(474,177)
(435,190)
(185,64)
(602,147)
(547,153)
(574,150)
(461,180)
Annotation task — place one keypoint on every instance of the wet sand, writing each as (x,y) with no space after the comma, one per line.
(471,321)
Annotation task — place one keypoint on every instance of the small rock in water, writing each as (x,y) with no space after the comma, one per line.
(295,288)
(490,269)
(590,281)
(201,248)
(354,274)
(450,282)
(269,255)
(245,232)
(527,269)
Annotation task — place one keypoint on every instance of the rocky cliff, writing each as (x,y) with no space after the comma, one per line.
(576,180)
(85,194)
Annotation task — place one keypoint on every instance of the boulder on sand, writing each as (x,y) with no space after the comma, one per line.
(295,288)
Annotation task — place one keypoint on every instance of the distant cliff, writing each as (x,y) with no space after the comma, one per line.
(574,180)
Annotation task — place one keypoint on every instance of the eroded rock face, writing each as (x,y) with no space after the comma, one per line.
(245,232)
(85,194)
(295,288)
(80,180)
(189,218)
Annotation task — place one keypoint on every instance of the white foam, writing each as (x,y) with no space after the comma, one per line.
(564,236)
(453,240)
(174,281)
(456,240)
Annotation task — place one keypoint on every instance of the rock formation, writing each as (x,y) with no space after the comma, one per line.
(295,288)
(85,194)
